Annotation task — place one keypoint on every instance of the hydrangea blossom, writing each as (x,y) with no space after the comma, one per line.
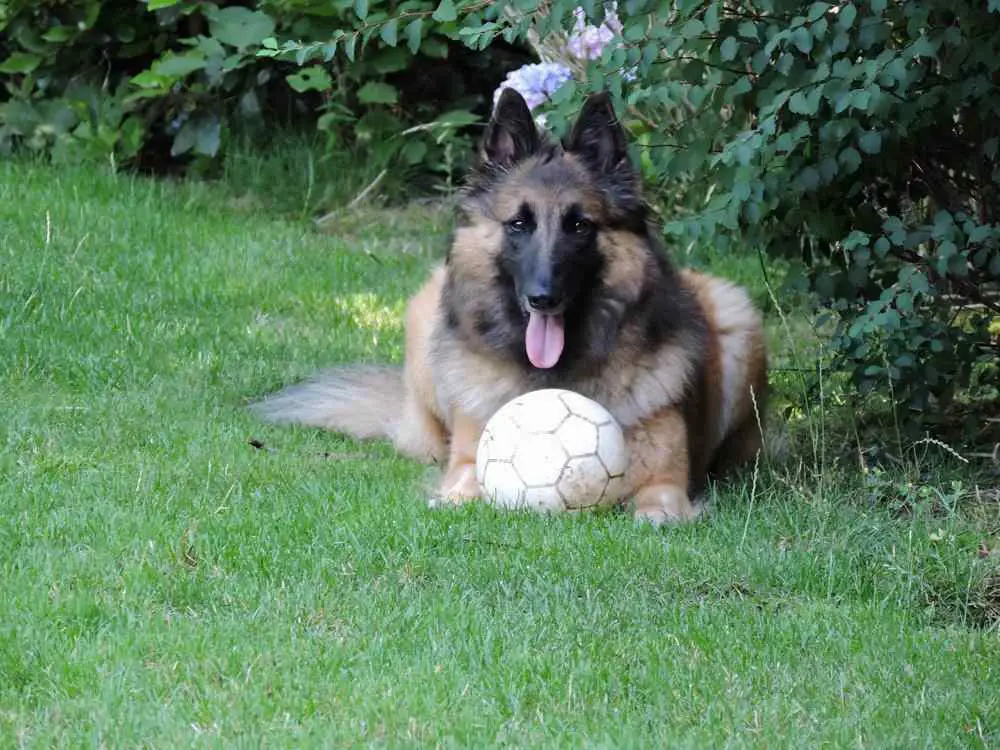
(536,83)
(587,41)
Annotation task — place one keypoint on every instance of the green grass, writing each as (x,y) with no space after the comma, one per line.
(163,582)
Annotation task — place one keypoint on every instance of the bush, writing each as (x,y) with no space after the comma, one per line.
(859,138)
(158,84)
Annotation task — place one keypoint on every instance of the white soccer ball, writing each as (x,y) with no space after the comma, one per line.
(552,450)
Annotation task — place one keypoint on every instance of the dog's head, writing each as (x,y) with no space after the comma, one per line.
(548,227)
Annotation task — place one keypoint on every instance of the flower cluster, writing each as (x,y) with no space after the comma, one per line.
(538,81)
(587,41)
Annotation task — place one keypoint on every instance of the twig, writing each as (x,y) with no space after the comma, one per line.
(360,197)
(944,447)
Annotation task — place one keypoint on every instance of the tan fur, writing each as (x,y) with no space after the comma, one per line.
(644,391)
(625,269)
(449,392)
(741,374)
(422,432)
(517,188)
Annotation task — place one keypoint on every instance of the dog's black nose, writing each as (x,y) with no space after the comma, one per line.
(543,302)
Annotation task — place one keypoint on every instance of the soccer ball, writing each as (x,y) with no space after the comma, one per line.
(552,450)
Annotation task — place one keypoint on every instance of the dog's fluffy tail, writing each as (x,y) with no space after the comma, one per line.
(361,401)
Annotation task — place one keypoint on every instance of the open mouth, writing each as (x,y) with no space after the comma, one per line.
(545,336)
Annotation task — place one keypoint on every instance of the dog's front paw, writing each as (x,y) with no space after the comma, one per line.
(664,503)
(458,487)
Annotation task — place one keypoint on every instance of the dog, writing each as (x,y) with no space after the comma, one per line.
(556,278)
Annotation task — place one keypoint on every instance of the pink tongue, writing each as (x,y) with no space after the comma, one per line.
(544,339)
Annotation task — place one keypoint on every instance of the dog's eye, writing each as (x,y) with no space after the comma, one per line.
(582,226)
(518,225)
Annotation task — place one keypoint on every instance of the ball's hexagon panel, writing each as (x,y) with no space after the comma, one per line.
(578,436)
(501,485)
(544,499)
(585,408)
(499,439)
(583,481)
(612,449)
(539,460)
(540,411)
(616,491)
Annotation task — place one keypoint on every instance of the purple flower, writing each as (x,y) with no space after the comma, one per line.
(536,83)
(587,42)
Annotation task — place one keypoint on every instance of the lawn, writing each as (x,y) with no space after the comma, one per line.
(174,573)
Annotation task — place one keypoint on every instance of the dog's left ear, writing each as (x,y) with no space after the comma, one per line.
(598,137)
(511,134)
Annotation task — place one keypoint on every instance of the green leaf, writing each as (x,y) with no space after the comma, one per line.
(350,46)
(445,12)
(840,42)
(314,78)
(856,238)
(870,142)
(740,87)
(817,11)
(21,62)
(457,118)
(414,152)
(147,79)
(209,133)
(850,159)
(160,4)
(376,92)
(846,16)
(635,30)
(200,134)
(390,60)
(860,99)
(828,169)
(240,27)
(729,48)
(808,179)
(60,34)
(804,104)
(178,66)
(980,232)
(712,18)
(692,29)
(389,31)
(413,35)
(747,30)
(361,9)
(250,104)
(433,46)
(803,40)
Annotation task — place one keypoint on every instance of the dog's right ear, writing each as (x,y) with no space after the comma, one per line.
(511,134)
(598,137)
